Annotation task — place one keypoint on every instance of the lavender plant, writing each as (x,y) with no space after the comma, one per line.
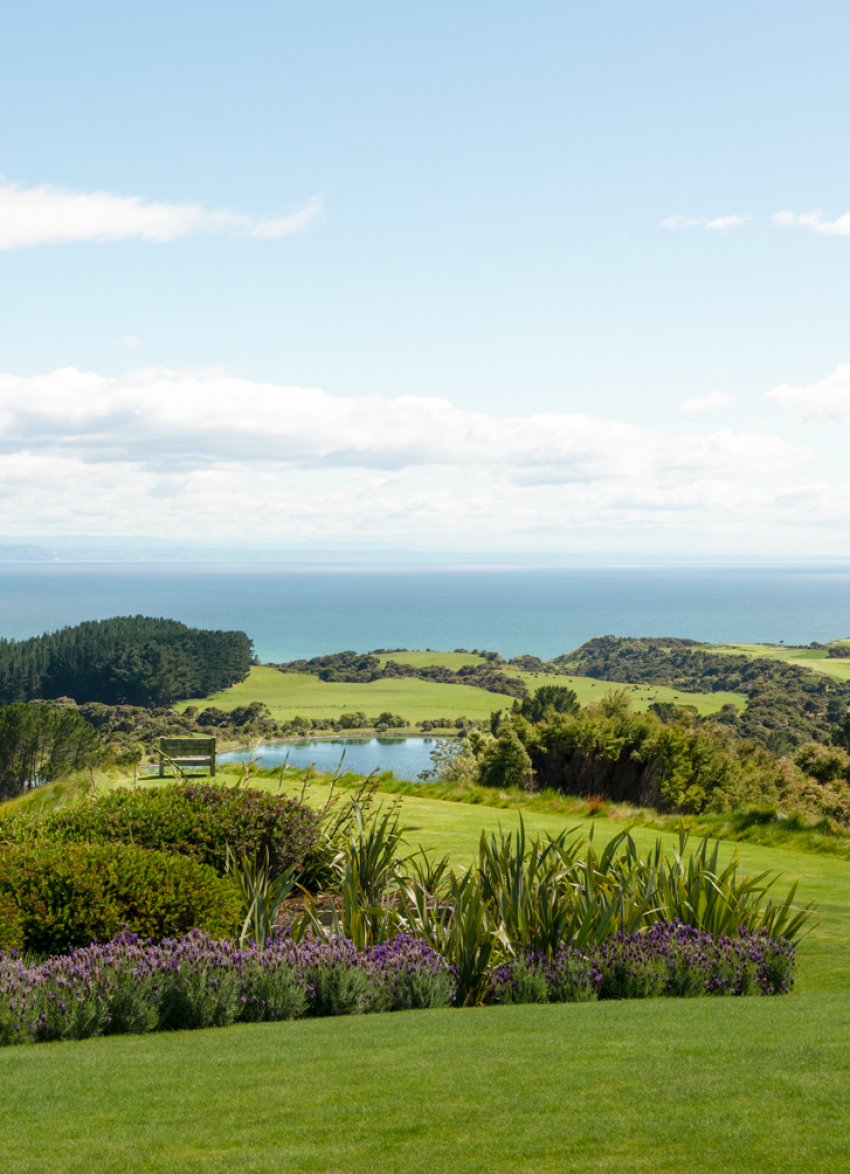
(134,985)
(669,959)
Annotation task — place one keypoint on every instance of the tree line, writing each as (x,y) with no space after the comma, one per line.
(361,668)
(128,660)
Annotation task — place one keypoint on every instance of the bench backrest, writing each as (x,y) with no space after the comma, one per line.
(187,751)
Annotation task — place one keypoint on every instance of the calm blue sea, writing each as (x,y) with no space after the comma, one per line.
(293,613)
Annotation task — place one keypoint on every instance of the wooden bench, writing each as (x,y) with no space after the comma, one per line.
(187,752)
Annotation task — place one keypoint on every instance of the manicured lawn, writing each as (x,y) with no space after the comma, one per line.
(680,1086)
(704,1085)
(291,694)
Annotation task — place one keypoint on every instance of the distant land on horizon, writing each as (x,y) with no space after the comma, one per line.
(67,549)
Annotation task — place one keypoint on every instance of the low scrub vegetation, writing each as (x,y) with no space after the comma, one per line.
(201,820)
(668,759)
(361,668)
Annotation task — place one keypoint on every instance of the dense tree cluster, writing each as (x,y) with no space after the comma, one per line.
(559,698)
(676,762)
(129,660)
(361,668)
(787,705)
(38,743)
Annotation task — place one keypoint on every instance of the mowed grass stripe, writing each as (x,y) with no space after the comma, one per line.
(700,1086)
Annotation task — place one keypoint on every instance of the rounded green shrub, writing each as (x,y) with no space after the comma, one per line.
(69,895)
(11,924)
(195,819)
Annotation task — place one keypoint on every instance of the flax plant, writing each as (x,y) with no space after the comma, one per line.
(262,895)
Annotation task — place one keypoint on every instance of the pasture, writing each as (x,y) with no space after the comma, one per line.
(816,659)
(301,694)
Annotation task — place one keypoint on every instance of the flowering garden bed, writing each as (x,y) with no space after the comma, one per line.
(130,985)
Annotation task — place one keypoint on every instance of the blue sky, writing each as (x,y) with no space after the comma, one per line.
(462,275)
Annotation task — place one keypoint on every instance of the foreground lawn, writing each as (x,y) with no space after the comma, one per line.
(704,1085)
(663,1085)
(300,694)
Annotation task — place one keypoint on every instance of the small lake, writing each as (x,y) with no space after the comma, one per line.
(405,757)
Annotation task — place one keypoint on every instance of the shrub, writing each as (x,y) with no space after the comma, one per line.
(667,959)
(561,698)
(72,894)
(353,721)
(193,819)
(505,762)
(675,959)
(11,924)
(671,762)
(392,721)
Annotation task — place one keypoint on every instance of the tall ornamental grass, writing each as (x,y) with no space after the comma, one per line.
(524,898)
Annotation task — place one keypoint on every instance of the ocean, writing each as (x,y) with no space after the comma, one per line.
(293,612)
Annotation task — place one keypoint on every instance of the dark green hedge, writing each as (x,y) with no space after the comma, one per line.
(198,820)
(11,924)
(71,894)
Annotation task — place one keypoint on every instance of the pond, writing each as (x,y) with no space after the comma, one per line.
(405,757)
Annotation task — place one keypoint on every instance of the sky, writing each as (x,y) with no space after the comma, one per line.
(473,277)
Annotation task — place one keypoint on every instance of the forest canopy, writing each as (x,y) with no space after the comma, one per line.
(128,660)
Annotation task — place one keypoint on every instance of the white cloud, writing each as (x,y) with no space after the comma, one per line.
(191,419)
(719,222)
(50,215)
(129,342)
(815,221)
(828,400)
(189,452)
(705,403)
(723,222)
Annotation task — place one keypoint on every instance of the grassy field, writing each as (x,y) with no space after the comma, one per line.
(807,658)
(703,1085)
(301,694)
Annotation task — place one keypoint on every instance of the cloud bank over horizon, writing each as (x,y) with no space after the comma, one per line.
(205,452)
